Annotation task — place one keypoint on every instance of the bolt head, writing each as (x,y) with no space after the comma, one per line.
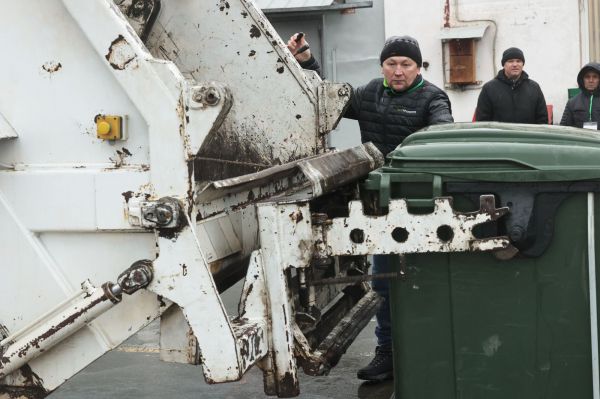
(198,96)
(212,96)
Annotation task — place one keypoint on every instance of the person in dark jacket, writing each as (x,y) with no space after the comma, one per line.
(511,96)
(388,110)
(583,110)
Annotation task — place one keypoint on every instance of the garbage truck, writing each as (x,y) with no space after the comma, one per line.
(153,153)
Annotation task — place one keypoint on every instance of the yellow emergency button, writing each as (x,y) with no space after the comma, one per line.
(103,128)
(109,127)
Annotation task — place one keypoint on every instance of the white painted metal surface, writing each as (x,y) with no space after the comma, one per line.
(212,93)
(278,254)
(400,232)
(244,52)
(64,193)
(6,130)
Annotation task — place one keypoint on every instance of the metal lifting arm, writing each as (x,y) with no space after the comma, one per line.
(68,317)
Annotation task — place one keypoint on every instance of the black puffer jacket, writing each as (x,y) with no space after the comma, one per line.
(503,100)
(577,110)
(386,117)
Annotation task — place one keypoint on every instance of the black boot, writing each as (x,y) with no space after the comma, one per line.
(381,367)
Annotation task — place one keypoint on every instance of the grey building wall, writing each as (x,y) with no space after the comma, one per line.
(347,45)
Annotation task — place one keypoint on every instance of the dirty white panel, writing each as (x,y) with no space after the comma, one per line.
(6,130)
(26,264)
(54,87)
(49,201)
(222,237)
(80,198)
(111,192)
(273,116)
(96,255)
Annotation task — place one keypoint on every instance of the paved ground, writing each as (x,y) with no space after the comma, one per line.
(134,371)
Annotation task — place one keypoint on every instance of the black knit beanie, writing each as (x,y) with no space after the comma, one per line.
(511,54)
(404,46)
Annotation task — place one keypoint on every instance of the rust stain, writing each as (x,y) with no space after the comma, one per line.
(119,160)
(192,352)
(35,343)
(288,386)
(280,67)
(447,14)
(224,5)
(13,392)
(141,9)
(169,234)
(52,67)
(278,189)
(254,31)
(120,54)
(296,216)
(31,378)
(190,191)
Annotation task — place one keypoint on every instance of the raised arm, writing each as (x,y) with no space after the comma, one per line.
(300,49)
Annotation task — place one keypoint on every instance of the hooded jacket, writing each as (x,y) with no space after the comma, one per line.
(577,110)
(504,100)
(387,117)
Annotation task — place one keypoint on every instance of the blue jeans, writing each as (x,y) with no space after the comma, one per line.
(383,330)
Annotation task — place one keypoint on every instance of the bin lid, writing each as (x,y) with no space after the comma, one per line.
(492,151)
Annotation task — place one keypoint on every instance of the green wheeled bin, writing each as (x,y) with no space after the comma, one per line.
(513,324)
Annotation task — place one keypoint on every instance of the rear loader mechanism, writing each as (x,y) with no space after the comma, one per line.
(197,156)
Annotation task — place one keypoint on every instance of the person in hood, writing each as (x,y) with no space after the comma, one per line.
(583,110)
(511,96)
(388,109)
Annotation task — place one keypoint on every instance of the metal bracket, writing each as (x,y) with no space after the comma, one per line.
(141,14)
(165,213)
(333,100)
(400,232)
(209,104)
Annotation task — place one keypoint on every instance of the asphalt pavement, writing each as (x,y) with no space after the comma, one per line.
(134,371)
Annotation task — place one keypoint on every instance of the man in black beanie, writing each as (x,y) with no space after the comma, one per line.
(511,96)
(388,109)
